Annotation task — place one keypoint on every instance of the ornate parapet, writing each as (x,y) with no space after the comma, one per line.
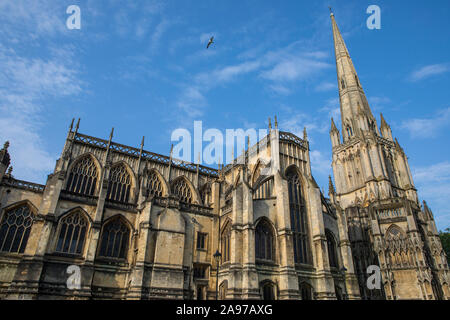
(292,138)
(24,185)
(146,155)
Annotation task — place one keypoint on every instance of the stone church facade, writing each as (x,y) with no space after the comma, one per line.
(140,225)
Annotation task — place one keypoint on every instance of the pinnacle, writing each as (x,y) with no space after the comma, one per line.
(383,121)
(331,189)
(333,126)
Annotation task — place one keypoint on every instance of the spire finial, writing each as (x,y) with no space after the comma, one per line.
(142,142)
(276,122)
(333,125)
(78,125)
(383,121)
(71,125)
(270,124)
(111,134)
(305,135)
(425,206)
(331,10)
(331,189)
(397,145)
(6,146)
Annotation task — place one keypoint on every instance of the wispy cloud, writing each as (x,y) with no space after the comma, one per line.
(294,68)
(433,183)
(30,81)
(435,173)
(277,68)
(316,125)
(280,89)
(428,71)
(160,29)
(427,127)
(227,73)
(295,122)
(138,20)
(25,82)
(326,86)
(332,109)
(37,18)
(378,103)
(320,163)
(192,102)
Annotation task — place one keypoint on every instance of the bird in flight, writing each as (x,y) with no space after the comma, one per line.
(210,42)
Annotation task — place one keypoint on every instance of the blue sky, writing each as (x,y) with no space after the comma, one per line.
(142,68)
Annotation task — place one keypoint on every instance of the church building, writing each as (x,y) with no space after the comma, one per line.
(119,222)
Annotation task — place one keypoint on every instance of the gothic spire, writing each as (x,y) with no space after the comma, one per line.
(333,126)
(77,126)
(397,145)
(427,210)
(383,122)
(352,98)
(331,189)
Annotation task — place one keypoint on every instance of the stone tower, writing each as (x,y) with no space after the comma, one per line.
(376,194)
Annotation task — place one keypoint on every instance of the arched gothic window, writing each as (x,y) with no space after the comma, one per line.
(119,184)
(225,240)
(264,241)
(298,218)
(83,177)
(349,131)
(256,174)
(182,190)
(268,291)
(306,291)
(154,185)
(264,190)
(72,233)
(332,251)
(115,237)
(15,229)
